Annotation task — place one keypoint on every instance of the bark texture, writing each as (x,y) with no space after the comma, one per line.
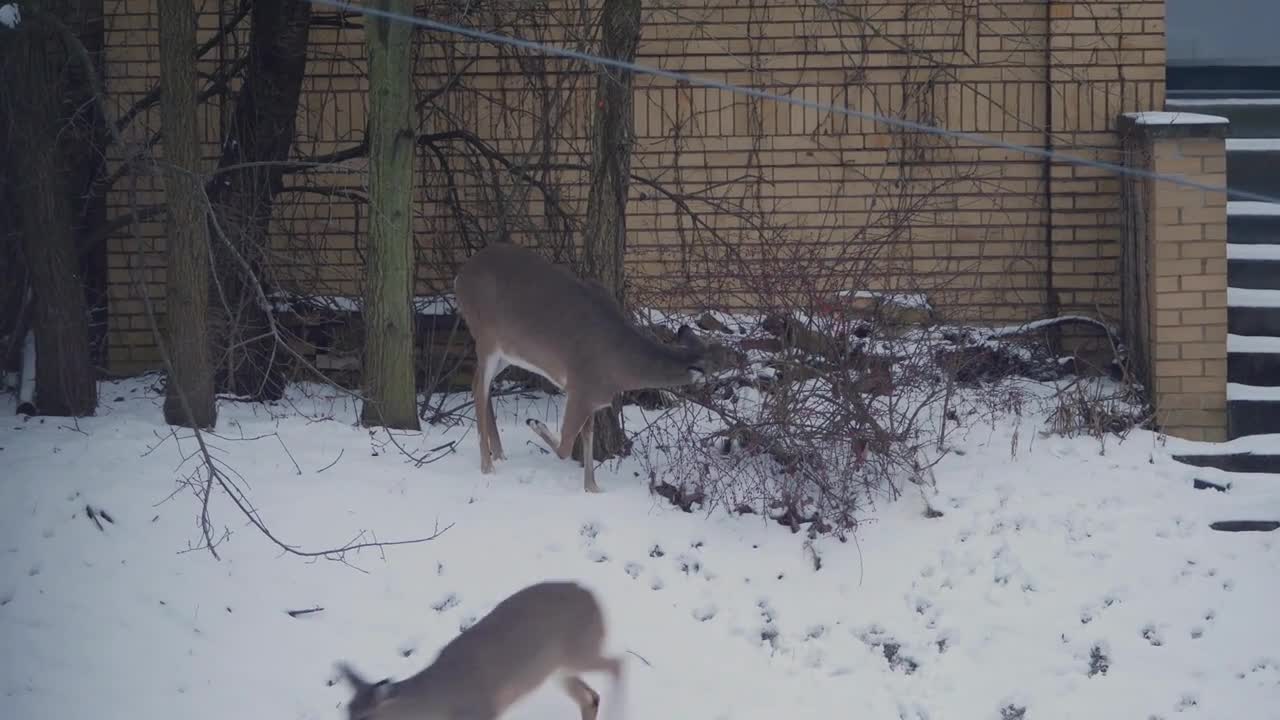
(605,232)
(42,88)
(189,394)
(390,397)
(262,132)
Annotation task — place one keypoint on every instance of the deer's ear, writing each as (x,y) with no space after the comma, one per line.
(383,690)
(352,676)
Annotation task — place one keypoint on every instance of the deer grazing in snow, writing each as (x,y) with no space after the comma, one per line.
(525,311)
(551,628)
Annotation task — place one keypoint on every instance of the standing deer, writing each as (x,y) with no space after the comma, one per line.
(525,311)
(551,628)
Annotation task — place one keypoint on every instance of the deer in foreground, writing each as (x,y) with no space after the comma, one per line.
(525,311)
(551,628)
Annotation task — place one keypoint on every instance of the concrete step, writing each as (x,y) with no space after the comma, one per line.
(1254,274)
(1253,360)
(1253,223)
(1241,462)
(1252,410)
(1251,117)
(1258,457)
(1253,312)
(1252,166)
(1255,267)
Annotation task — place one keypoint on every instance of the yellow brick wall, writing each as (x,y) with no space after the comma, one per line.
(991,235)
(1186,281)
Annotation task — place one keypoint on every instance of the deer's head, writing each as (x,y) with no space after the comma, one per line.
(370,697)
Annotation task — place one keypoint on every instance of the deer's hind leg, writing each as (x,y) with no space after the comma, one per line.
(488,364)
(495,438)
(588,700)
(577,413)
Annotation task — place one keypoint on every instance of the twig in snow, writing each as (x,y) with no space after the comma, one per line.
(307,611)
(335,461)
(88,510)
(297,470)
(646,662)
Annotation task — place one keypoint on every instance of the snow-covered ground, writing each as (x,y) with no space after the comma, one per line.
(1061,581)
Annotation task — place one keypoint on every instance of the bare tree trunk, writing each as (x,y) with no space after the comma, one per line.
(262,132)
(605,233)
(390,398)
(44,149)
(186,299)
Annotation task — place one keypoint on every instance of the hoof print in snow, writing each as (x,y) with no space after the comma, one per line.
(766,611)
(1013,712)
(445,603)
(589,531)
(769,635)
(407,651)
(656,552)
(466,623)
(1187,702)
(688,564)
(656,584)
(1099,663)
(875,637)
(597,556)
(1152,635)
(704,613)
(897,661)
(815,631)
(1197,633)
(633,569)
(6,598)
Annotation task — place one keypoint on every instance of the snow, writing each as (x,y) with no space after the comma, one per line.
(1253,344)
(1253,144)
(1236,391)
(1249,297)
(1050,551)
(918,301)
(1249,444)
(423,304)
(1175,118)
(10,15)
(1252,208)
(1202,102)
(1239,251)
(1009,330)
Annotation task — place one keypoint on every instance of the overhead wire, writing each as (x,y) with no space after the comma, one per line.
(902,123)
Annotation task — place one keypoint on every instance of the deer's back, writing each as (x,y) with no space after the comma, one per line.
(526,637)
(518,291)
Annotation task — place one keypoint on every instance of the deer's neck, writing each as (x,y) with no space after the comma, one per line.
(652,364)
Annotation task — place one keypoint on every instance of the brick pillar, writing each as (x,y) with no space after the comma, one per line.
(1174,270)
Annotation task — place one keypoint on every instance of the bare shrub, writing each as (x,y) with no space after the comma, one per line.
(827,398)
